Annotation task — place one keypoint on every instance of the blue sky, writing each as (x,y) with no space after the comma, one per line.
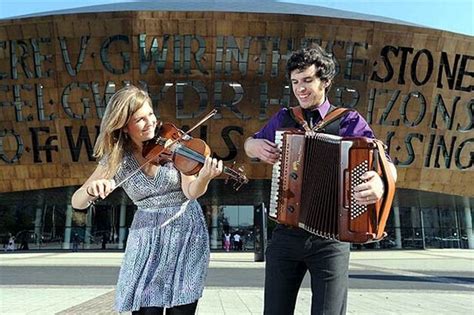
(451,15)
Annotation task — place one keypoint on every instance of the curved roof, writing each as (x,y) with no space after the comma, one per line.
(249,6)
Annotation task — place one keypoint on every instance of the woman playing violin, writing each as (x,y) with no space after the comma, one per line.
(167,254)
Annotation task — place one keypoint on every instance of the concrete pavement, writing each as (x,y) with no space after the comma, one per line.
(381,282)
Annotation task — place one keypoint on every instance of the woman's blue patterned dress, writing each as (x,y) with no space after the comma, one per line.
(167,254)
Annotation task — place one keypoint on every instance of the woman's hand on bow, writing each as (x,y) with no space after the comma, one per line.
(100,188)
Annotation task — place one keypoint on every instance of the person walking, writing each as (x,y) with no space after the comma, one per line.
(75,242)
(11,243)
(237,243)
(227,241)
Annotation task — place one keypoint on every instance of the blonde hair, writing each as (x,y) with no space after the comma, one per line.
(112,140)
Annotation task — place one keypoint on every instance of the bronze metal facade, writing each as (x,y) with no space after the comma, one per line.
(412,84)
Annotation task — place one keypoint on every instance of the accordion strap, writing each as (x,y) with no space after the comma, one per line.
(298,116)
(389,184)
(331,117)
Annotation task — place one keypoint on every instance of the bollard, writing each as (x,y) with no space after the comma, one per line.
(260,231)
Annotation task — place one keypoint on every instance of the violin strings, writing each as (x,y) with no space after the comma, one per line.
(196,156)
(190,153)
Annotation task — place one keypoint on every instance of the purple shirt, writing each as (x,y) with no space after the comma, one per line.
(352,124)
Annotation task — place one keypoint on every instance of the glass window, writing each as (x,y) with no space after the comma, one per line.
(234,219)
(237,216)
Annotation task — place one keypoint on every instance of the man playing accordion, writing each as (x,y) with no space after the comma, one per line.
(293,251)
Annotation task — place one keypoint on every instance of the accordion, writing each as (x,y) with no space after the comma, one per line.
(313,182)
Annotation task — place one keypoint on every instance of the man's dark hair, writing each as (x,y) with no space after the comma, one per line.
(313,55)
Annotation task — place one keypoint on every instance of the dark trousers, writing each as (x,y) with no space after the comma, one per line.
(289,255)
(187,309)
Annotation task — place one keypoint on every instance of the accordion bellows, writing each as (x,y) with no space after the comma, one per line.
(313,185)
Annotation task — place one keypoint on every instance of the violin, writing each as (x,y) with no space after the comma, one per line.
(188,154)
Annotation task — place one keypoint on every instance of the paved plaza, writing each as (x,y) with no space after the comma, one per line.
(381,282)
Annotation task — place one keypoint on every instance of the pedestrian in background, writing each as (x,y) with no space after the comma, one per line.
(237,241)
(227,241)
(104,240)
(11,243)
(75,242)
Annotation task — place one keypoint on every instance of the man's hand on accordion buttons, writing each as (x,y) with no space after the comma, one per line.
(263,149)
(371,191)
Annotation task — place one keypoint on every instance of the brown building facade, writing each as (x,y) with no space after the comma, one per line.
(412,84)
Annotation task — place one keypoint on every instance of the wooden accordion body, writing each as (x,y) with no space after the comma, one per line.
(312,185)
